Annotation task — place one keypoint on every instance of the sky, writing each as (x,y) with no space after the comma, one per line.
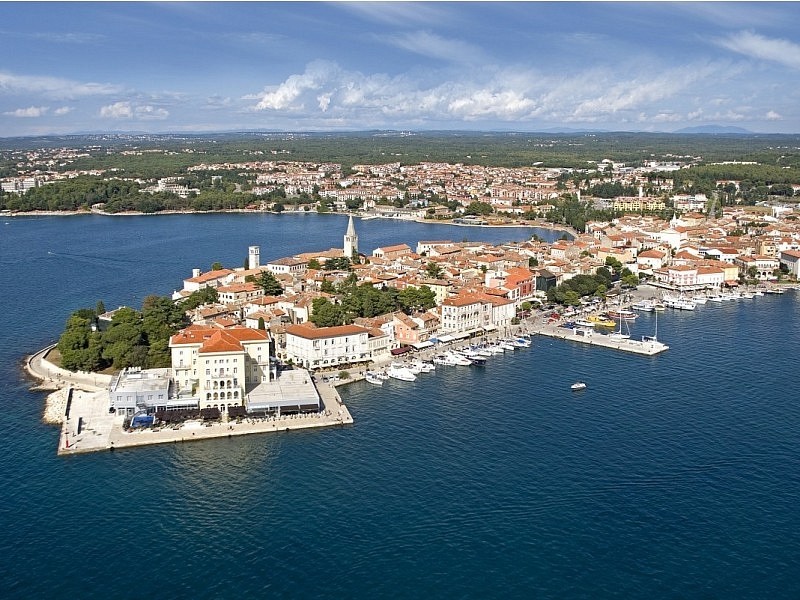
(181,67)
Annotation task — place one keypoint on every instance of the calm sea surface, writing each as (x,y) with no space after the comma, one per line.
(676,476)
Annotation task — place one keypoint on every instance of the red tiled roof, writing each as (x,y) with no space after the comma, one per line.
(315,333)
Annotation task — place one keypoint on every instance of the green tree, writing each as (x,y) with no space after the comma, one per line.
(479,208)
(269,284)
(314,264)
(205,295)
(326,314)
(433,270)
(340,263)
(416,299)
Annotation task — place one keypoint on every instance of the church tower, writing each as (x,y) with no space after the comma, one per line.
(350,239)
(253,261)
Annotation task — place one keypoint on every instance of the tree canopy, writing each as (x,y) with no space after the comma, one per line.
(367,301)
(132,339)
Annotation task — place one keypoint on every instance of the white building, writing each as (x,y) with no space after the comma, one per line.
(320,347)
(462,313)
(144,390)
(763,266)
(287,266)
(791,260)
(218,366)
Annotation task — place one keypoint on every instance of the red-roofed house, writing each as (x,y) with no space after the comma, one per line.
(321,347)
(218,365)
(392,252)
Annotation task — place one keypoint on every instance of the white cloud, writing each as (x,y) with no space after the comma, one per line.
(127,110)
(118,110)
(55,37)
(30,112)
(63,110)
(285,95)
(431,45)
(150,113)
(773,116)
(399,12)
(757,46)
(52,87)
(217,102)
(509,95)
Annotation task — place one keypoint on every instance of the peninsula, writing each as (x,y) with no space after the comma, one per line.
(268,347)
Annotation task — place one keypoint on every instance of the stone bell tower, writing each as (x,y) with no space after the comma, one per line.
(350,239)
(253,259)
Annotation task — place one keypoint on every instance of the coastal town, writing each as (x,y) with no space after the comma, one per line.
(251,362)
(268,356)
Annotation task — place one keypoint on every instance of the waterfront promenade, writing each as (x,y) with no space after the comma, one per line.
(79,403)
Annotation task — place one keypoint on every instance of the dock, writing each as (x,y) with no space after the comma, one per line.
(592,338)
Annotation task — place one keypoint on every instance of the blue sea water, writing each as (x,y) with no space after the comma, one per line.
(674,476)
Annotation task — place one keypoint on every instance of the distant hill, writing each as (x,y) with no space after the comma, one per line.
(713,129)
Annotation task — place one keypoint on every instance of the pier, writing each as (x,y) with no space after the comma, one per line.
(592,338)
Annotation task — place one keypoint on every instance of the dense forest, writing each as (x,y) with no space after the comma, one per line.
(165,155)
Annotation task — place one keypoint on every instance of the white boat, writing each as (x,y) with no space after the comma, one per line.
(495,348)
(578,385)
(644,306)
(427,367)
(443,359)
(716,298)
(618,334)
(373,378)
(679,302)
(481,351)
(401,373)
(505,345)
(458,359)
(414,366)
(473,356)
(520,343)
(700,299)
(583,323)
